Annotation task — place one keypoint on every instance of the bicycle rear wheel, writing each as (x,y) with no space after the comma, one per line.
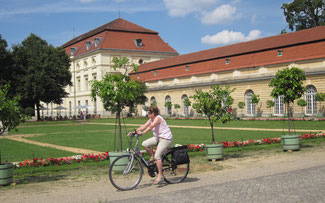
(125,173)
(174,173)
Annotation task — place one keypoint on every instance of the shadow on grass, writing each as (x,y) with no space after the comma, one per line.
(39,179)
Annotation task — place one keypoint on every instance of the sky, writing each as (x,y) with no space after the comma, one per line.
(186,25)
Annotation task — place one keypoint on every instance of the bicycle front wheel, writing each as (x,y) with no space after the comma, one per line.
(174,173)
(125,173)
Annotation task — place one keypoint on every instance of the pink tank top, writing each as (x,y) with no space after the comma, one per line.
(161,130)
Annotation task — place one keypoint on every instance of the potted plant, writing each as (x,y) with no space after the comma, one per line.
(289,84)
(214,104)
(187,103)
(241,105)
(320,97)
(10,118)
(176,106)
(302,103)
(269,105)
(168,106)
(116,92)
(255,100)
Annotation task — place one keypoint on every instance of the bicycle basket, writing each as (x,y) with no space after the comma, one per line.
(180,155)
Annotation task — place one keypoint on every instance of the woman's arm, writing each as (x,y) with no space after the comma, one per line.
(152,125)
(144,126)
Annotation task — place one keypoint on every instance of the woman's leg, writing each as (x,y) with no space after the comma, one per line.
(153,141)
(161,148)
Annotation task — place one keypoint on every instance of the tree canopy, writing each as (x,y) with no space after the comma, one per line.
(43,72)
(6,63)
(304,14)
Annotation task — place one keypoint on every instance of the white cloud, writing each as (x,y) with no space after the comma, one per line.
(229,37)
(180,8)
(220,15)
(253,19)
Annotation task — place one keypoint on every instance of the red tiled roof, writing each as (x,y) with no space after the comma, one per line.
(119,35)
(269,43)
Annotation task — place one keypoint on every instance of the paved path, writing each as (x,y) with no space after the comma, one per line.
(306,185)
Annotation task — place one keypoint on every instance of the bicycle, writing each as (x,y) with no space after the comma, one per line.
(125,172)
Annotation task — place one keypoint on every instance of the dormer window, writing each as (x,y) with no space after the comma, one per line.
(138,42)
(140,61)
(97,41)
(155,73)
(138,77)
(187,68)
(73,50)
(88,44)
(227,61)
(280,52)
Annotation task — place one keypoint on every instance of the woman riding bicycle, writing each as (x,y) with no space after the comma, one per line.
(162,138)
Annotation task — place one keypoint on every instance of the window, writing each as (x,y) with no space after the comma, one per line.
(86,106)
(278,106)
(78,84)
(138,42)
(138,77)
(88,44)
(153,101)
(187,68)
(97,41)
(311,107)
(78,105)
(140,61)
(70,107)
(280,52)
(168,108)
(86,83)
(250,107)
(227,61)
(73,50)
(155,73)
(185,108)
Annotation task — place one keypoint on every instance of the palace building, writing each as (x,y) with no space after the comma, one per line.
(91,58)
(247,67)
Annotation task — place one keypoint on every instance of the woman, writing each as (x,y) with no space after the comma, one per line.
(162,138)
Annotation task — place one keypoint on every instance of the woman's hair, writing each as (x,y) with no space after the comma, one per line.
(154,110)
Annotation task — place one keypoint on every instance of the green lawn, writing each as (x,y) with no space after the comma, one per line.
(101,137)
(18,151)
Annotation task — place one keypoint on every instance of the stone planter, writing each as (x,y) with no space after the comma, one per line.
(6,174)
(214,151)
(290,142)
(121,164)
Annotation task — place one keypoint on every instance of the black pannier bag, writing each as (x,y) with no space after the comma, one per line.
(179,155)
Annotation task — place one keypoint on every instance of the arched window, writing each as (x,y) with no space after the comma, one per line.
(168,108)
(278,106)
(185,108)
(311,107)
(250,107)
(153,101)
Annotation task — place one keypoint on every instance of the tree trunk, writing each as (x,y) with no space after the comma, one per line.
(288,117)
(120,129)
(38,111)
(212,132)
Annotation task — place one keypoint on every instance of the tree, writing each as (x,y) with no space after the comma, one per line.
(304,14)
(241,105)
(139,97)
(43,72)
(117,91)
(289,84)
(187,103)
(6,63)
(214,104)
(10,115)
(302,103)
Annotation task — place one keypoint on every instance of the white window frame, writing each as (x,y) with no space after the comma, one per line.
(278,106)
(310,97)
(250,107)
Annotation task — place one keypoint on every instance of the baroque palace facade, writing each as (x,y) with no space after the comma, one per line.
(91,59)
(247,67)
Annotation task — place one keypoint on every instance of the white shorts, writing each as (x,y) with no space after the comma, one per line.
(162,145)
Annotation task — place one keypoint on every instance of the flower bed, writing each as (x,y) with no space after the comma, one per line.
(191,148)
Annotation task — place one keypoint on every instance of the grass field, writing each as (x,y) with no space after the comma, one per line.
(96,135)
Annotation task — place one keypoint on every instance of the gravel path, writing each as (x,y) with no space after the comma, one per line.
(246,178)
